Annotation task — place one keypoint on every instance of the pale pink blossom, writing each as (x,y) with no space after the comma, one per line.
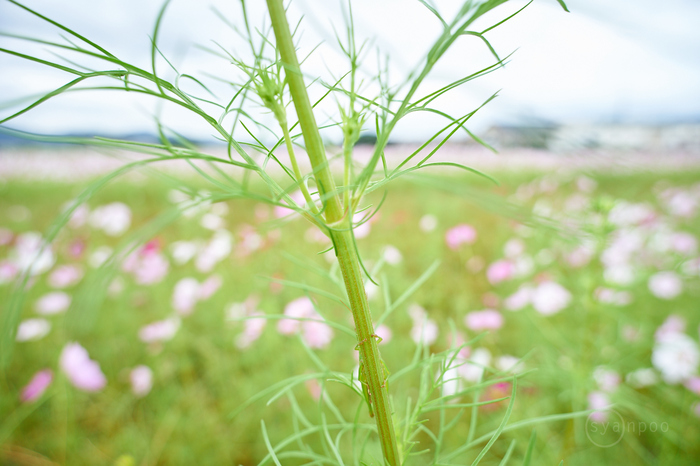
(281,211)
(314,388)
(32,254)
(84,373)
(607,380)
(691,267)
(428,223)
(625,214)
(693,384)
(508,363)
(674,324)
(391,255)
(65,276)
(424,330)
(499,271)
(216,250)
(252,330)
(519,299)
(8,271)
(300,308)
(250,241)
(212,221)
(147,264)
(488,319)
(183,251)
(37,386)
(681,203)
(316,334)
(161,330)
(665,285)
(361,226)
(210,286)
(599,402)
(114,219)
(513,248)
(51,303)
(619,274)
(460,234)
(610,296)
(684,243)
(141,378)
(676,357)
(550,298)
(99,256)
(79,217)
(33,329)
(579,257)
(384,333)
(473,370)
(185,295)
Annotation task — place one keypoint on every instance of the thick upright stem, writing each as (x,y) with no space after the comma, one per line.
(341,235)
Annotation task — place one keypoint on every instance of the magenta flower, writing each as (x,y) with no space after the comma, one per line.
(488,319)
(499,271)
(37,386)
(460,234)
(83,372)
(141,378)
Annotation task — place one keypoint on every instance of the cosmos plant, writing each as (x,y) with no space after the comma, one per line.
(337,206)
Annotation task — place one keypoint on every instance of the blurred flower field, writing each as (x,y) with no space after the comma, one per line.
(143,331)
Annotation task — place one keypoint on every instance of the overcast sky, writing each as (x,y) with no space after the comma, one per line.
(622,61)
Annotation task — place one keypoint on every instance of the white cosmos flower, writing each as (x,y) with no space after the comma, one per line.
(676,357)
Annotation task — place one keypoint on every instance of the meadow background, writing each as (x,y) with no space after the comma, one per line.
(588,278)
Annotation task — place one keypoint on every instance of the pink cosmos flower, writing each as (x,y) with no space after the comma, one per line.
(550,298)
(141,378)
(33,329)
(424,330)
(519,299)
(499,271)
(210,286)
(83,372)
(600,403)
(185,295)
(673,325)
(473,370)
(684,243)
(114,219)
(677,358)
(428,223)
(65,276)
(216,250)
(315,334)
(488,319)
(51,303)
(161,330)
(609,296)
(37,386)
(361,226)
(384,333)
(30,253)
(460,234)
(147,264)
(253,328)
(665,285)
(314,388)
(607,380)
(693,384)
(8,271)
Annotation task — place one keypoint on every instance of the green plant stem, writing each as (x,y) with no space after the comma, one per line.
(341,235)
(295,167)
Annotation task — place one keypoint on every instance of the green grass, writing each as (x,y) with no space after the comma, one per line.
(201,377)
